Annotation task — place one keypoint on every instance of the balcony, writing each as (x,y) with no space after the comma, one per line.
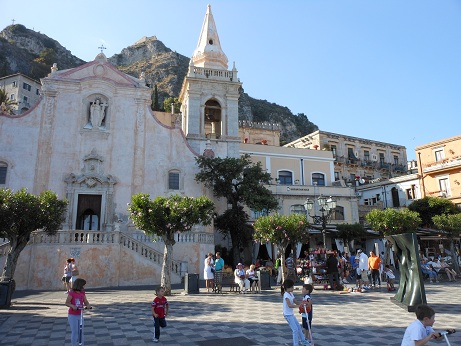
(442,165)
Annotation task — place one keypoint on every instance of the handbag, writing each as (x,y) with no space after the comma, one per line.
(213,270)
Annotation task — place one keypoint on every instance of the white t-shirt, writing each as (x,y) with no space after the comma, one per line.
(415,331)
(286,309)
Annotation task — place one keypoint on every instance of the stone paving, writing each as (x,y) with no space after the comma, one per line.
(123,317)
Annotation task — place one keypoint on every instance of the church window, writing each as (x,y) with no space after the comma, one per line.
(173,180)
(210,41)
(3,171)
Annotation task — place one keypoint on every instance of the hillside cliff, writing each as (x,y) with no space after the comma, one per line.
(32,53)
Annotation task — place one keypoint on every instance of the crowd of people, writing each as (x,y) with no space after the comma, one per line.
(341,268)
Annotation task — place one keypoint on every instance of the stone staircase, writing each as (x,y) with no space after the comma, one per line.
(132,258)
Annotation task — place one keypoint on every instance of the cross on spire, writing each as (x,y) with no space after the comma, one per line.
(13,21)
(102,48)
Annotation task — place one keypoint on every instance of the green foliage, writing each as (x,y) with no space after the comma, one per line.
(281,229)
(6,105)
(47,57)
(349,232)
(391,221)
(239,221)
(22,213)
(240,182)
(155,105)
(428,207)
(166,215)
(448,223)
(172,100)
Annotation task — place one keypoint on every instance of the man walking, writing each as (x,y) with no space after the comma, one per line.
(374,263)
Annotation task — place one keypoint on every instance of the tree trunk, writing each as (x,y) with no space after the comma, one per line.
(166,266)
(235,248)
(454,256)
(281,250)
(16,247)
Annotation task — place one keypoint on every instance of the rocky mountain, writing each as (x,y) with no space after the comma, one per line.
(31,53)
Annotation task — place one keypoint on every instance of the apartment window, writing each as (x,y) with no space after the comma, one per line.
(366,155)
(37,92)
(26,86)
(285,178)
(15,84)
(173,180)
(338,213)
(12,97)
(3,171)
(439,156)
(396,160)
(410,192)
(318,178)
(333,149)
(381,158)
(370,201)
(443,185)
(25,99)
(336,176)
(350,154)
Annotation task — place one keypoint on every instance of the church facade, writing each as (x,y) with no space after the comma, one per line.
(93,139)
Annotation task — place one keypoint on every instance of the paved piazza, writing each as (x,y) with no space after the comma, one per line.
(122,317)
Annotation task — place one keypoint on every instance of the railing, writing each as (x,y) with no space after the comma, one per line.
(450,162)
(209,72)
(75,237)
(145,251)
(259,125)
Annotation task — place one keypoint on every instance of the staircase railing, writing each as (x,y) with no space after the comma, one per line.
(146,251)
(141,247)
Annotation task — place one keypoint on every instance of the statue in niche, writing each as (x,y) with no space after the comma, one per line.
(97,113)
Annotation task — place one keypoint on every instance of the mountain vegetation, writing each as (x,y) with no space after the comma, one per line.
(32,53)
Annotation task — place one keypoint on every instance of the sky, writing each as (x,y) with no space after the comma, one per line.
(384,70)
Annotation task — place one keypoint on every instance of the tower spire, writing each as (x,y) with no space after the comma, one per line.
(208,53)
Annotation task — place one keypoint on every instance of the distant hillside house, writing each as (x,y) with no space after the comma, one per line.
(22,90)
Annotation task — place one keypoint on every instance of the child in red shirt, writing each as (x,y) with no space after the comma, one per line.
(159,312)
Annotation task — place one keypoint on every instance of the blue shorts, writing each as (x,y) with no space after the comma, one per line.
(305,323)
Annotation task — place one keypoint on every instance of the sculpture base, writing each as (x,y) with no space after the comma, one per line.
(409,308)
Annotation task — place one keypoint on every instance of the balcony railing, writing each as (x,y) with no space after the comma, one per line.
(447,163)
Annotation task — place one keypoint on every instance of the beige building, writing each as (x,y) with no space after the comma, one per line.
(22,90)
(439,168)
(301,174)
(357,160)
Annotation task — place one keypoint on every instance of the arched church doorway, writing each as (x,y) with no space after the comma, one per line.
(89,212)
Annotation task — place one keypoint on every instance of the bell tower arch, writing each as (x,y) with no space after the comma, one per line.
(209,96)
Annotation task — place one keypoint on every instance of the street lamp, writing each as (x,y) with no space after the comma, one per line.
(326,208)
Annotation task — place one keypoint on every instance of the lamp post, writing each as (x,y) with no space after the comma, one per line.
(326,207)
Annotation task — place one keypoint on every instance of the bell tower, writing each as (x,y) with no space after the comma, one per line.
(209,96)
